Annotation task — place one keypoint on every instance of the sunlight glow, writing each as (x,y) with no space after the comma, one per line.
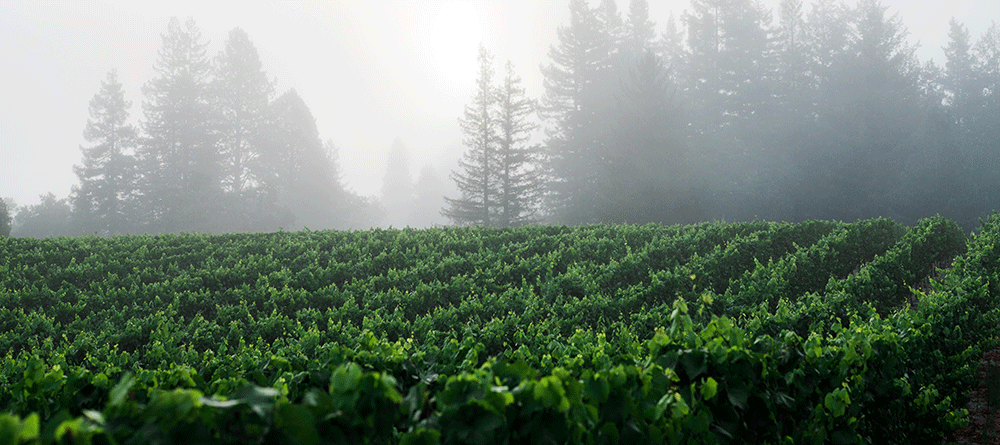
(452,33)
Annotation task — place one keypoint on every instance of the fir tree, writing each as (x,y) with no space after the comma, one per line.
(475,181)
(519,173)
(179,157)
(575,104)
(242,92)
(103,201)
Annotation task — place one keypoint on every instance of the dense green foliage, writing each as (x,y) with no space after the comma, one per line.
(750,332)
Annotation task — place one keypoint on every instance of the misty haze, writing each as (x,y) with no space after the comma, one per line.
(714,110)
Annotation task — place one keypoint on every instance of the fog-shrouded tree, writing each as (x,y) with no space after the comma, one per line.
(104,202)
(500,179)
(430,190)
(50,217)
(868,118)
(976,96)
(574,106)
(960,77)
(300,181)
(6,219)
(396,194)
(640,34)
(476,177)
(729,76)
(794,83)
(672,47)
(242,94)
(179,159)
(647,177)
(520,175)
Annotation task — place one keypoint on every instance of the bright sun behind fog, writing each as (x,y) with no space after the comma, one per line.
(453,32)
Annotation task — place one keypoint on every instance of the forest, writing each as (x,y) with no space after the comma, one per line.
(731,111)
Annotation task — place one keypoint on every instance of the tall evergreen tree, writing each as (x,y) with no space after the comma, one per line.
(179,158)
(647,178)
(640,30)
(869,110)
(672,48)
(104,201)
(476,179)
(794,83)
(242,92)
(299,173)
(575,111)
(982,144)
(501,181)
(960,81)
(519,171)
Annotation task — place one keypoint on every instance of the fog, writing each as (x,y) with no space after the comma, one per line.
(387,82)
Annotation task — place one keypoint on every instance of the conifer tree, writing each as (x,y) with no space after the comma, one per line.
(640,30)
(299,176)
(501,181)
(519,174)
(242,92)
(647,179)
(476,179)
(179,157)
(103,201)
(575,105)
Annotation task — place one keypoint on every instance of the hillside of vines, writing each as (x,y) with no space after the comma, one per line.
(751,332)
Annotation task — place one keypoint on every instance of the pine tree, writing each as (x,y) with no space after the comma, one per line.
(299,174)
(242,92)
(794,83)
(519,173)
(501,181)
(640,34)
(475,181)
(179,158)
(869,107)
(960,71)
(647,177)
(575,103)
(103,202)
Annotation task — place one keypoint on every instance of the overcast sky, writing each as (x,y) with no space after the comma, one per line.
(370,70)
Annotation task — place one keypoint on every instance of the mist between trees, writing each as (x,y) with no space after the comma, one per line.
(731,111)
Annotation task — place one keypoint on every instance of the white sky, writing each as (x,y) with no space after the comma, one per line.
(370,70)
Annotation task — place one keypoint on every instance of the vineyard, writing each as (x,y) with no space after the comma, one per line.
(754,332)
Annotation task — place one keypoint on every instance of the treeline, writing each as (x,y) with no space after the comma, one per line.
(736,111)
(216,151)
(732,111)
